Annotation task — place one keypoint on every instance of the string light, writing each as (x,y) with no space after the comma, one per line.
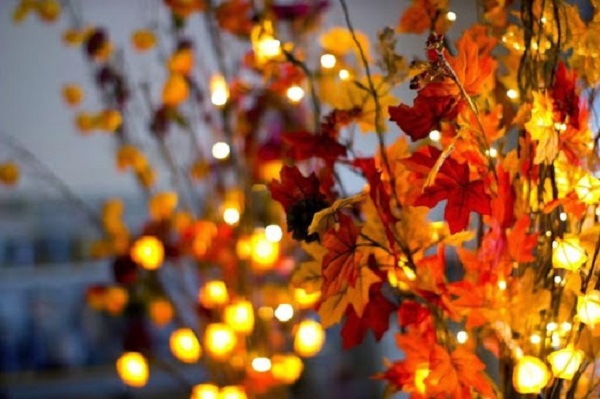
(588,308)
(286,368)
(284,312)
(261,364)
(240,316)
(502,285)
(205,391)
(462,337)
(231,216)
(563,216)
(232,392)
(535,339)
(512,94)
(185,346)
(213,293)
(220,150)
(219,340)
(219,91)
(273,233)
(295,93)
(132,368)
(148,252)
(435,135)
(344,74)
(530,375)
(451,16)
(328,61)
(309,338)
(565,362)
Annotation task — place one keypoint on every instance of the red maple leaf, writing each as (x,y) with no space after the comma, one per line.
(425,115)
(341,262)
(453,184)
(305,145)
(294,187)
(375,317)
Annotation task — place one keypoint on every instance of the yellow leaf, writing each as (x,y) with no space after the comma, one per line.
(143,40)
(333,308)
(9,173)
(176,90)
(339,41)
(358,295)
(308,274)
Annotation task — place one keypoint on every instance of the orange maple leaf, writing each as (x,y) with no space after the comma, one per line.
(473,69)
(455,374)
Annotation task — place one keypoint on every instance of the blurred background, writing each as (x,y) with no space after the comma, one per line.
(52,345)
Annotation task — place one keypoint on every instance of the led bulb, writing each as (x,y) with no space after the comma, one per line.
(328,61)
(220,150)
(295,93)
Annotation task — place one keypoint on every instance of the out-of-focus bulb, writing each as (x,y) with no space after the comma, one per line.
(462,337)
(344,74)
(219,92)
(435,135)
(231,216)
(512,94)
(284,312)
(273,233)
(261,364)
(132,368)
(328,61)
(451,16)
(295,93)
(220,150)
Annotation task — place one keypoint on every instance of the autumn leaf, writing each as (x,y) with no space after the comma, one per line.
(424,116)
(304,145)
(474,69)
(326,218)
(455,374)
(521,243)
(307,275)
(375,318)
(453,184)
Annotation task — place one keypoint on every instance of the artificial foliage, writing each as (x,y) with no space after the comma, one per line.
(474,241)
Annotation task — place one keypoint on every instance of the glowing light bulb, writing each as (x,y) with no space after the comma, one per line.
(231,216)
(185,346)
(565,362)
(132,368)
(232,392)
(451,16)
(535,339)
(214,293)
(435,135)
(264,252)
(264,44)
(502,285)
(309,338)
(261,364)
(286,368)
(552,326)
(328,61)
(421,374)
(219,91)
(493,153)
(205,391)
(344,74)
(284,312)
(265,313)
(240,316)
(148,252)
(462,337)
(562,216)
(273,233)
(530,375)
(295,93)
(220,150)
(588,308)
(219,340)
(568,253)
(512,94)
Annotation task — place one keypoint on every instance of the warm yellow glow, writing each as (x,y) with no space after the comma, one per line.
(552,326)
(535,339)
(588,308)
(421,374)
(240,316)
(566,362)
(295,93)
(492,152)
(213,293)
(344,74)
(261,364)
(219,340)
(566,326)
(132,368)
(563,216)
(185,346)
(270,170)
(266,313)
(328,61)
(306,300)
(205,391)
(512,94)
(273,233)
(219,91)
(232,392)
(309,338)
(284,312)
(264,44)
(264,252)
(530,375)
(568,253)
(451,16)
(286,368)
(161,311)
(435,135)
(148,252)
(231,216)
(243,248)
(220,150)
(502,285)
(462,337)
